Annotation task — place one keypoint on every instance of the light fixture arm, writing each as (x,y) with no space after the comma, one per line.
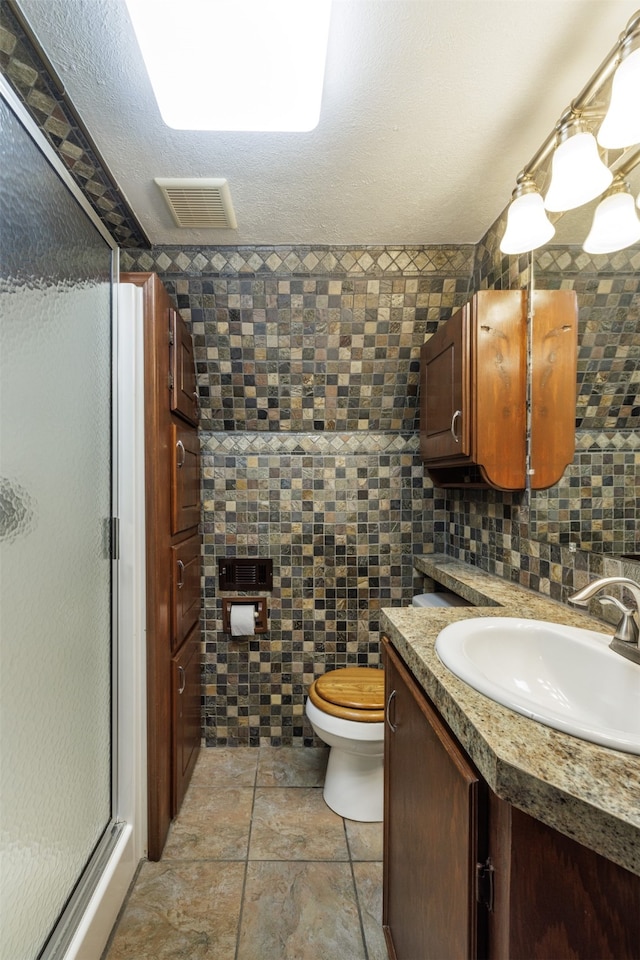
(580,105)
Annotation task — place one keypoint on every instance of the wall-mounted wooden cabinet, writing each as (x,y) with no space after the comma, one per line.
(475,383)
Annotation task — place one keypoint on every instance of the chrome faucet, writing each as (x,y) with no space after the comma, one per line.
(625,639)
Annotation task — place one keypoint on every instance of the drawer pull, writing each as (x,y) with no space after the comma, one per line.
(181,451)
(183,679)
(180,574)
(392,726)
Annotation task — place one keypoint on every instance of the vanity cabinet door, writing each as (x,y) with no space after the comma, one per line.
(555,898)
(431,823)
(445,411)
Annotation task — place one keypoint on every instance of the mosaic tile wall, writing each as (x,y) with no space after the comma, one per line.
(307,363)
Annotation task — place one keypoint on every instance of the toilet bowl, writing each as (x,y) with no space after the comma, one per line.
(345,707)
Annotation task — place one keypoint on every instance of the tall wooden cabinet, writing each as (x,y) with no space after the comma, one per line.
(172,483)
(475,385)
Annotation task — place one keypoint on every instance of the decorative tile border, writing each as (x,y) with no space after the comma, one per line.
(54,114)
(302,261)
(305,444)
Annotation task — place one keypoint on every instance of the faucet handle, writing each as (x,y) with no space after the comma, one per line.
(626,611)
(627,629)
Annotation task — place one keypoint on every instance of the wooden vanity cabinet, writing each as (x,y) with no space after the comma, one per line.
(474,394)
(172,504)
(433,836)
(468,875)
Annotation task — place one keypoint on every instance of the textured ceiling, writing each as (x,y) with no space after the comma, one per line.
(430,110)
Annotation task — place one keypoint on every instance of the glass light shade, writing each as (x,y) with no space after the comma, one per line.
(528,226)
(615,225)
(254,65)
(578,175)
(621,125)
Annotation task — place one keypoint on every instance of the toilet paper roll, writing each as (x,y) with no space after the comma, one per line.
(242,619)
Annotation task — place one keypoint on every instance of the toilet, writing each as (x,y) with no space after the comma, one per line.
(346,710)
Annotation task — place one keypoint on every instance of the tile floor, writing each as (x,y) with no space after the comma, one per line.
(257,867)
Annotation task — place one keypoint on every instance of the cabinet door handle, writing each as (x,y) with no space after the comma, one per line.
(180,574)
(392,726)
(183,455)
(455,436)
(183,679)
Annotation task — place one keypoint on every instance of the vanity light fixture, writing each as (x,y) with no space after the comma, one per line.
(578,172)
(527,220)
(235,65)
(578,175)
(616,224)
(621,125)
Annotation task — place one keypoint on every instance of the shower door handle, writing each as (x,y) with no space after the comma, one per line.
(392,726)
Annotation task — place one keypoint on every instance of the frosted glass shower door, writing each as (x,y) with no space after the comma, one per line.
(55,573)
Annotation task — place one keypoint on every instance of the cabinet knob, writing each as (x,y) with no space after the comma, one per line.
(181,451)
(392,726)
(455,436)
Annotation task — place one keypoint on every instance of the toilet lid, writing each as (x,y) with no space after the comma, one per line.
(359,688)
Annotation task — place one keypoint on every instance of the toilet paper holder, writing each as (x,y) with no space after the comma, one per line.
(260,614)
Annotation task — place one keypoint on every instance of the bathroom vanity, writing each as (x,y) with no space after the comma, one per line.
(504,838)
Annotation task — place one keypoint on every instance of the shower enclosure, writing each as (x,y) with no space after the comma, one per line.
(59,816)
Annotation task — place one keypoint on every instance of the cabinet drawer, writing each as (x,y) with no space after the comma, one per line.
(185,478)
(186,710)
(185,589)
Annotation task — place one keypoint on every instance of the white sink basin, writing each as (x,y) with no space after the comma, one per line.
(564,677)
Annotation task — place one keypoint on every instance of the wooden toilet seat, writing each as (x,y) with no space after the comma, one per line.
(352,693)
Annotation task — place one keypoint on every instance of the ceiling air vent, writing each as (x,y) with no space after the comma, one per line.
(199,203)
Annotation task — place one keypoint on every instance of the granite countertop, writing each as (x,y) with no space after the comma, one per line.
(585,791)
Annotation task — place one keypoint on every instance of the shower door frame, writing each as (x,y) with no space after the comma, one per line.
(84,926)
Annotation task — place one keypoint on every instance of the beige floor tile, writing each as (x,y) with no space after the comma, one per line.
(368,878)
(292,766)
(228,766)
(212,824)
(185,910)
(365,840)
(295,824)
(300,911)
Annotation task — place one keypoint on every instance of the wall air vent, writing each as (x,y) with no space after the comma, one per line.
(244,573)
(199,203)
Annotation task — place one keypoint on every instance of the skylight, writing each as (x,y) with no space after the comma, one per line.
(254,65)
